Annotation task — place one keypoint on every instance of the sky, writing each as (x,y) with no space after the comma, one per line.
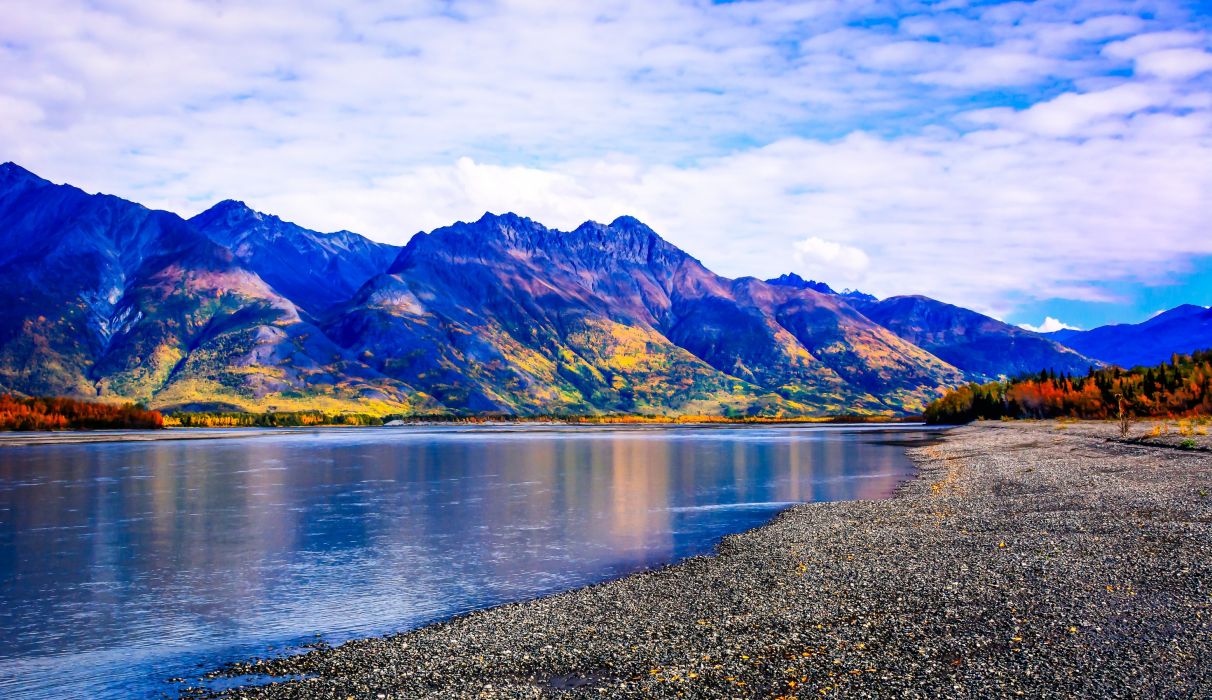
(1048,163)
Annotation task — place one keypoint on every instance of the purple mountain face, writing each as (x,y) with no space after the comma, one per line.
(983,347)
(314,270)
(239,309)
(506,314)
(1180,330)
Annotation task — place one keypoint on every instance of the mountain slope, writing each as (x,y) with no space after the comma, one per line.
(1181,330)
(314,270)
(502,314)
(983,347)
(505,314)
(112,299)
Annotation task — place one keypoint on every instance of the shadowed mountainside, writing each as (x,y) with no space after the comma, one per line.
(314,270)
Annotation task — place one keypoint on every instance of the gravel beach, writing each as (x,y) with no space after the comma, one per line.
(1030,559)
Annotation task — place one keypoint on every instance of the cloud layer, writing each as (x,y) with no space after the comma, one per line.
(988,155)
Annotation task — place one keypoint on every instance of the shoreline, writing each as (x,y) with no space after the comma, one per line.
(73,437)
(79,437)
(1034,559)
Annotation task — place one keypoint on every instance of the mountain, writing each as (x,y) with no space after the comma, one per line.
(1182,330)
(983,347)
(506,314)
(314,270)
(111,299)
(239,309)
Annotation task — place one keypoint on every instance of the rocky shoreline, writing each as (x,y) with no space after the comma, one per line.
(1026,560)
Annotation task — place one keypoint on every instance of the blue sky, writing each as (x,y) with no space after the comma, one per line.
(1029,160)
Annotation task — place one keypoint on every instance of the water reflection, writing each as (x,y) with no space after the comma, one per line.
(123,564)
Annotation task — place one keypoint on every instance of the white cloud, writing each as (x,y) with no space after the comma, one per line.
(964,151)
(971,219)
(1152,41)
(1074,114)
(1050,325)
(844,265)
(992,67)
(1175,64)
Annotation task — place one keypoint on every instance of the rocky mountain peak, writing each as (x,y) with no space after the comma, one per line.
(13,176)
(231,212)
(793,280)
(624,240)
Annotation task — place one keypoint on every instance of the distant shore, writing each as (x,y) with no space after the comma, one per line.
(304,419)
(1035,559)
(70,437)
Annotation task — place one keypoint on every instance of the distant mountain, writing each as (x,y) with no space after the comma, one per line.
(314,270)
(796,282)
(793,280)
(1182,330)
(110,299)
(983,347)
(506,314)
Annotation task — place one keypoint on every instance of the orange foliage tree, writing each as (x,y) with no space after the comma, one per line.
(1179,388)
(71,414)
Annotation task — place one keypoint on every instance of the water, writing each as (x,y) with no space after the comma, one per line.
(123,565)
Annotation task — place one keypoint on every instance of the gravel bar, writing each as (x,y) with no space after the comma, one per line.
(1029,559)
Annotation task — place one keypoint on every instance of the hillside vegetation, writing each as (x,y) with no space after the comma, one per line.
(1181,387)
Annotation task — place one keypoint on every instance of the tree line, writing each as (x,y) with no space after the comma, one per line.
(1181,387)
(269,419)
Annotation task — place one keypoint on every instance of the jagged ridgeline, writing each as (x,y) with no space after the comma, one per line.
(1181,387)
(235,310)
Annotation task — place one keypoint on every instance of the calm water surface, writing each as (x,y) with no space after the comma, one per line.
(123,565)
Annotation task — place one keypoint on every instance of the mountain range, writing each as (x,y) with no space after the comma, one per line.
(237,309)
(1183,329)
